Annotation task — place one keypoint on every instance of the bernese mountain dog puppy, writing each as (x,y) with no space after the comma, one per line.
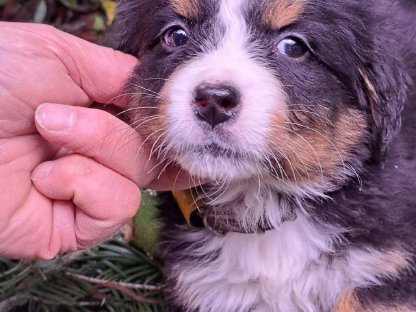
(297,118)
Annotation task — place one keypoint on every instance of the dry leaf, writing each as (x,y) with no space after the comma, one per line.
(109,7)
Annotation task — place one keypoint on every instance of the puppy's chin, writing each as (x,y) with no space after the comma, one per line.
(212,163)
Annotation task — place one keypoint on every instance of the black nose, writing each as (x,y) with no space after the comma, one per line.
(216,103)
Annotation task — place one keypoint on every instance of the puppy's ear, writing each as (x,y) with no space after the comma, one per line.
(124,25)
(384,83)
(133,20)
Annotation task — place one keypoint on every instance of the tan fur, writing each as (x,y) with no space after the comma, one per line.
(150,123)
(185,8)
(396,261)
(348,302)
(281,13)
(313,149)
(371,90)
(349,129)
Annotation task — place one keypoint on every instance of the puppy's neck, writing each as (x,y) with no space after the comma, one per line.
(255,205)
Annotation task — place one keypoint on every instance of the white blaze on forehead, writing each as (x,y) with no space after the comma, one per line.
(233,60)
(232,46)
(231,15)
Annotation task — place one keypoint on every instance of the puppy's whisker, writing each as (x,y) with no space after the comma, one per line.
(114,98)
(292,168)
(148,90)
(176,179)
(148,138)
(135,93)
(155,78)
(161,148)
(168,163)
(273,157)
(266,162)
(313,150)
(274,173)
(221,190)
(146,96)
(218,192)
(151,151)
(309,105)
(158,165)
(297,156)
(324,137)
(131,109)
(308,113)
(195,200)
(140,122)
(259,179)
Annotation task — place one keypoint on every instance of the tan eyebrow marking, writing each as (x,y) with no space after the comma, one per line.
(185,8)
(281,13)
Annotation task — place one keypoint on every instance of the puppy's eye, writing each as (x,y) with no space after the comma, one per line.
(175,37)
(292,47)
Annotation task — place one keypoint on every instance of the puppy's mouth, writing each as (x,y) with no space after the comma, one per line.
(217,151)
(217,161)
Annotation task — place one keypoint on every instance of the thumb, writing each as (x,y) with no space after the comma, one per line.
(98,135)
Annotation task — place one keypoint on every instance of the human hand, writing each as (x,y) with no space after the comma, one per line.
(71,179)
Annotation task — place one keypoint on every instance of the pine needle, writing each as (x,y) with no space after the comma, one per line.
(113,276)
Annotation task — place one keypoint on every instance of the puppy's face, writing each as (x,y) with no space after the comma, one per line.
(236,89)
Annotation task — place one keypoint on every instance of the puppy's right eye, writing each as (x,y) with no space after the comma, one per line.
(175,37)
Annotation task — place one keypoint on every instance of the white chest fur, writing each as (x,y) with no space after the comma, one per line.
(284,270)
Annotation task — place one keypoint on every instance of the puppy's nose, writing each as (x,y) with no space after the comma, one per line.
(216,103)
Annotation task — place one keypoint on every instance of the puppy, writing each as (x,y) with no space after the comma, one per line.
(293,110)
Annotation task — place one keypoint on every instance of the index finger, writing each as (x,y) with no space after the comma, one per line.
(99,72)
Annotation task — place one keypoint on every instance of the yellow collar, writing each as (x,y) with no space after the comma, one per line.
(187,202)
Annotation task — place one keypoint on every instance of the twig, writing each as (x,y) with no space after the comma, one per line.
(121,284)
(123,287)
(134,296)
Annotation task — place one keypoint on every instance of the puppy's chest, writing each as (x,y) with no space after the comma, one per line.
(291,269)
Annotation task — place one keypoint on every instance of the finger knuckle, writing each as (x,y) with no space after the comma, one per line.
(77,166)
(128,202)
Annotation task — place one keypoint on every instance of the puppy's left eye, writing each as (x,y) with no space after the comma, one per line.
(292,47)
(175,37)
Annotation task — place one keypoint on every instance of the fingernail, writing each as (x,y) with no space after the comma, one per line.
(42,170)
(55,117)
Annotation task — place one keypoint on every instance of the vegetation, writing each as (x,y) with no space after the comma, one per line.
(112,277)
(88,19)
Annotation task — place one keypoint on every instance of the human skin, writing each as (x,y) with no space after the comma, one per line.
(69,174)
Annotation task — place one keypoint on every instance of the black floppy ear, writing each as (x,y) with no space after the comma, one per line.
(384,83)
(135,24)
(127,25)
